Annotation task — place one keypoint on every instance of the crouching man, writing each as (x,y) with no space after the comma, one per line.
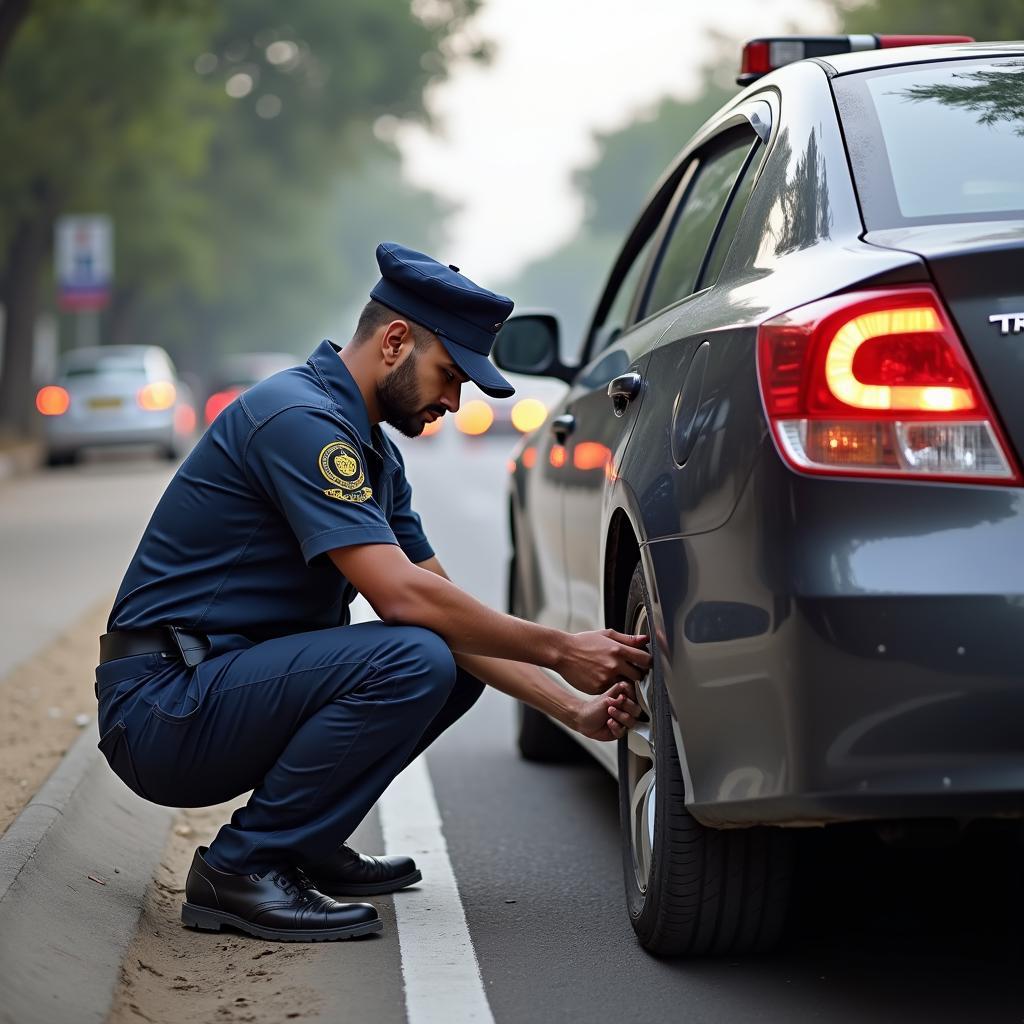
(229,663)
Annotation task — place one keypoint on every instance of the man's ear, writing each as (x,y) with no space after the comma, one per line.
(394,338)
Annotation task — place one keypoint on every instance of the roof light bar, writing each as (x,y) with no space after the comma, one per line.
(763,55)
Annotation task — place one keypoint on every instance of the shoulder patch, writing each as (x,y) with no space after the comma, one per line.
(340,466)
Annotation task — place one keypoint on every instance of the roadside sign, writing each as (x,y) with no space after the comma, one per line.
(85,261)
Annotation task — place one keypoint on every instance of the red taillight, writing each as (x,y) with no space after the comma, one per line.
(877,383)
(218,402)
(53,400)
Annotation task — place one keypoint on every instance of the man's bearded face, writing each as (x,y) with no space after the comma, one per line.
(401,400)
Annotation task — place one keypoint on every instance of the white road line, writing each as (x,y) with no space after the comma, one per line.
(439,965)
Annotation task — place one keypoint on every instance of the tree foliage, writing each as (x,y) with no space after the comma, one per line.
(216,135)
(982,19)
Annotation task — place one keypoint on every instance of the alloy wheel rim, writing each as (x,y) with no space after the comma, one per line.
(641,779)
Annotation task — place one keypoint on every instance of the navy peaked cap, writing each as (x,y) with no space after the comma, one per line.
(463,315)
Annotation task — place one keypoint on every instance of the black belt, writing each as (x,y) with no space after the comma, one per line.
(192,648)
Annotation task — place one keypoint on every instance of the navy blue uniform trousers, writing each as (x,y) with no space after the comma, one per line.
(316,724)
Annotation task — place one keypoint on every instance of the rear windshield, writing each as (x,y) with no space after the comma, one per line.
(937,142)
(106,366)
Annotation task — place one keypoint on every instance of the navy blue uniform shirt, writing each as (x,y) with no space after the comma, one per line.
(287,472)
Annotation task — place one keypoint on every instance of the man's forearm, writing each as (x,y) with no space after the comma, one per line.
(421,595)
(526,683)
(470,627)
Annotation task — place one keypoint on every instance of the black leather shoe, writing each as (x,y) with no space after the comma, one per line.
(281,905)
(349,873)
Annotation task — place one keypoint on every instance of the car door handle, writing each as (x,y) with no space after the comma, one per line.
(622,390)
(563,426)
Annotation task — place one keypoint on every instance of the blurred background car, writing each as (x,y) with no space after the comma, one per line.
(116,395)
(480,415)
(238,373)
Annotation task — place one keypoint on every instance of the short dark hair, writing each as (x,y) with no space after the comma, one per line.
(376,315)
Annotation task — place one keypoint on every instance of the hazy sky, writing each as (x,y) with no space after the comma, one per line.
(510,134)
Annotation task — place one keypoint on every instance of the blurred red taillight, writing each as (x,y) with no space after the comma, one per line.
(218,402)
(185,419)
(877,383)
(53,400)
(157,396)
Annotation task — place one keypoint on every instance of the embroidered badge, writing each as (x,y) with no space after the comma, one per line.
(339,464)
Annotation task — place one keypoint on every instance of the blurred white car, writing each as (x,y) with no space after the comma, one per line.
(116,395)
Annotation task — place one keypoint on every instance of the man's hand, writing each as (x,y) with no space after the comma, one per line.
(609,716)
(594,661)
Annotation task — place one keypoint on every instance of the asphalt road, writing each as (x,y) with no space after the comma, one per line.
(879,934)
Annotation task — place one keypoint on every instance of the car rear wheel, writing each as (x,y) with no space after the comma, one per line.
(537,737)
(690,889)
(67,458)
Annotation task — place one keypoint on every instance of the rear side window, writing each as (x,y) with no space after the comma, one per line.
(695,220)
(618,313)
(731,221)
(937,142)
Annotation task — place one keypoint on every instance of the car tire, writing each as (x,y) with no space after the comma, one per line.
(55,459)
(537,737)
(690,890)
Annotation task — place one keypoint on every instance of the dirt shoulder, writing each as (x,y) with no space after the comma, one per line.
(41,699)
(173,974)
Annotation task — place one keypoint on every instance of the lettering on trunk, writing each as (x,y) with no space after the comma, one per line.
(1009,323)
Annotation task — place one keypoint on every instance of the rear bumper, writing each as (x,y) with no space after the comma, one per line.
(845,651)
(67,435)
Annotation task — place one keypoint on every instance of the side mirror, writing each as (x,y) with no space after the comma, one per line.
(528,344)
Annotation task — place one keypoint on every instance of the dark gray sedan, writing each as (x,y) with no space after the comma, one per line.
(792,455)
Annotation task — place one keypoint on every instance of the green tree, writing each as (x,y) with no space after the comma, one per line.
(313,82)
(982,19)
(92,96)
(12,13)
(216,135)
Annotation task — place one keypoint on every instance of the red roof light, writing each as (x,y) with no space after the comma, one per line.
(885,42)
(763,55)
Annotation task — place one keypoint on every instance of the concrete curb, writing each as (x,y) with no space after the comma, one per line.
(29,829)
(74,867)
